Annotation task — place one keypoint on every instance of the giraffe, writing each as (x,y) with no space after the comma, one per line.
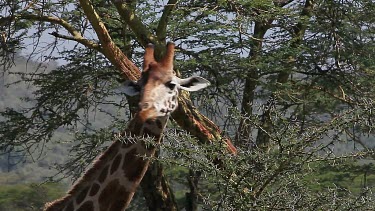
(113,178)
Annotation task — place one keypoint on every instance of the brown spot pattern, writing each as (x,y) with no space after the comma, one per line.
(87,206)
(69,207)
(119,201)
(108,194)
(133,165)
(94,189)
(103,175)
(82,195)
(116,163)
(127,143)
(113,149)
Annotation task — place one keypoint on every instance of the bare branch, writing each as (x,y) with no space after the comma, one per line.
(282,3)
(85,42)
(144,36)
(110,50)
(76,35)
(161,30)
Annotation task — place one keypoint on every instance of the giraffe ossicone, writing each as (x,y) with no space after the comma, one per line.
(110,183)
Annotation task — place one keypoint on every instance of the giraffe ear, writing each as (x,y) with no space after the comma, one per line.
(193,83)
(131,88)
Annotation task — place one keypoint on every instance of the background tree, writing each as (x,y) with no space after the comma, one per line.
(291,86)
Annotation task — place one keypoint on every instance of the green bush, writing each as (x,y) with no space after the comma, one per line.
(28,196)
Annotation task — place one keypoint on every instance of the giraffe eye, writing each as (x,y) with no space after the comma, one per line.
(170,85)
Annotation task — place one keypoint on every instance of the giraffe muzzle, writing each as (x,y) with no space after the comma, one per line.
(147,114)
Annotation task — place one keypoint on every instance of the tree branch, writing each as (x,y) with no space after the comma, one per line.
(110,50)
(144,36)
(282,3)
(190,119)
(85,42)
(299,31)
(161,31)
(76,35)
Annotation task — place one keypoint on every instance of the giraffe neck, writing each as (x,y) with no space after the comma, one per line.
(154,128)
(111,182)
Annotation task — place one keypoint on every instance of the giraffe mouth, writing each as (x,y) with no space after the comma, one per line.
(150,115)
(147,115)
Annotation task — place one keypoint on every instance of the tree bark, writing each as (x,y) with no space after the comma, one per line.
(112,52)
(192,198)
(263,139)
(251,81)
(156,189)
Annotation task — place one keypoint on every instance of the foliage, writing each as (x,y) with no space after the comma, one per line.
(278,180)
(348,176)
(28,196)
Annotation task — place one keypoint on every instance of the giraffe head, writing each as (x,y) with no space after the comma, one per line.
(158,86)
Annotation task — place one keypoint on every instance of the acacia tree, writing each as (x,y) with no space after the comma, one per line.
(290,79)
(56,105)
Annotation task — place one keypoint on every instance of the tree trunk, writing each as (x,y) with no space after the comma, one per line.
(251,81)
(263,139)
(156,189)
(192,197)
